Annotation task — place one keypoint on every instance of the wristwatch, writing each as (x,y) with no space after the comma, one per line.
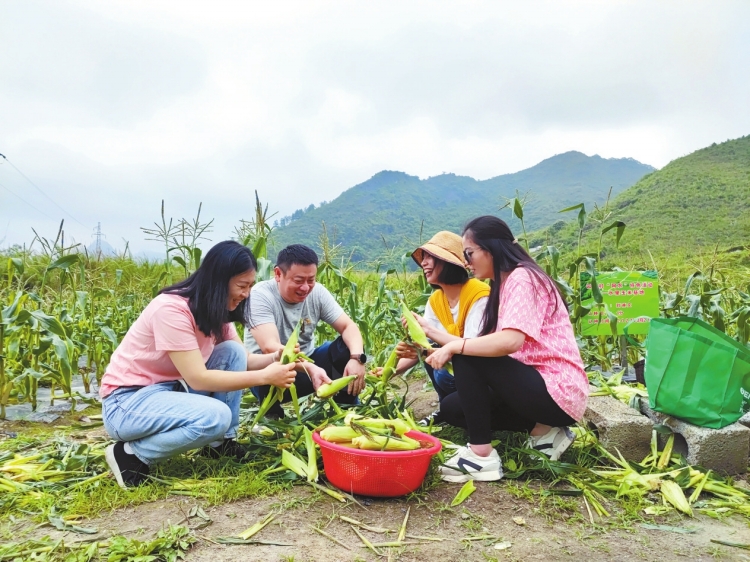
(361,357)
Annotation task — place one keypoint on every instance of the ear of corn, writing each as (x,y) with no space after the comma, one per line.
(339,434)
(416,333)
(389,369)
(400,427)
(383,443)
(327,390)
(288,355)
(672,493)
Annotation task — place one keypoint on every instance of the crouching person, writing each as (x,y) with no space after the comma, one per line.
(175,381)
(276,307)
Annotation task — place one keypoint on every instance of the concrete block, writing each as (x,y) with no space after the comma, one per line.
(723,450)
(619,427)
(745,420)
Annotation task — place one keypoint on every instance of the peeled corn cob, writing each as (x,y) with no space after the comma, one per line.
(384,443)
(328,390)
(339,434)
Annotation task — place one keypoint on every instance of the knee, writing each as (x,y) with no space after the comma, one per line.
(460,363)
(216,421)
(451,410)
(233,355)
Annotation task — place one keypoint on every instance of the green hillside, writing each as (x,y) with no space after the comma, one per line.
(699,201)
(390,209)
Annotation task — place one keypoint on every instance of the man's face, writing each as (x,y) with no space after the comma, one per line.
(297,282)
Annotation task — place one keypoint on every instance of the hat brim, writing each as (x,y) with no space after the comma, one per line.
(436,252)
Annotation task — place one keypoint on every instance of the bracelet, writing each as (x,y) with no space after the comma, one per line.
(462,347)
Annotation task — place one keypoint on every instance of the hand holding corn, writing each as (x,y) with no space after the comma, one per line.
(440,356)
(405,351)
(279,375)
(355,368)
(318,376)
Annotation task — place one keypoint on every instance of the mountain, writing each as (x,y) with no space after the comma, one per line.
(396,210)
(698,201)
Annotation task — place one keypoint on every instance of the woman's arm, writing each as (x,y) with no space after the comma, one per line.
(192,368)
(256,361)
(496,344)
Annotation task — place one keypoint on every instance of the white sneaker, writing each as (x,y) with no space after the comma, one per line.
(465,465)
(553,443)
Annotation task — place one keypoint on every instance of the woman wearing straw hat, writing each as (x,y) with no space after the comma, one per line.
(454,310)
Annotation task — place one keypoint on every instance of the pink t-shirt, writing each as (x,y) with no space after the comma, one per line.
(550,345)
(142,359)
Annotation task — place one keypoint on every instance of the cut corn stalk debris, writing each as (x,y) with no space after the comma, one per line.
(366,542)
(363,525)
(334,539)
(255,529)
(402,530)
(465,491)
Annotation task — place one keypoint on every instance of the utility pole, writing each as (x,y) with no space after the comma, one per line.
(98,234)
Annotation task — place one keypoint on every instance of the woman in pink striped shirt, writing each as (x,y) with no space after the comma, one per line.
(524,371)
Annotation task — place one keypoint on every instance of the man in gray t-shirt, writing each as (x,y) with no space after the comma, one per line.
(278,304)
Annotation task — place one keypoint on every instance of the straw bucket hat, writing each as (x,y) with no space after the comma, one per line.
(445,245)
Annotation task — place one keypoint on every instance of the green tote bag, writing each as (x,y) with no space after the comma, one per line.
(695,372)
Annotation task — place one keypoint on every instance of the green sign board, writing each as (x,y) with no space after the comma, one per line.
(628,295)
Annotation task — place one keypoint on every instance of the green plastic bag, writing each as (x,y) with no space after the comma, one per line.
(695,372)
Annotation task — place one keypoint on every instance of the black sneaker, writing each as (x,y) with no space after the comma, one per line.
(228,448)
(435,418)
(128,469)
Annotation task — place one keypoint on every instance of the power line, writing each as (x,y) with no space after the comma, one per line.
(24,200)
(41,191)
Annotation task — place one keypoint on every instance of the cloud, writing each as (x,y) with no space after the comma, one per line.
(112,107)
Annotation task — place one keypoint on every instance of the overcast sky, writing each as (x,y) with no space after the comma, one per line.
(109,107)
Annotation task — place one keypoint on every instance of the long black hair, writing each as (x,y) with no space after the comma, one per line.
(494,236)
(207,290)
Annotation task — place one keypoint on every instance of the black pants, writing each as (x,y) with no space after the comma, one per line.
(332,357)
(499,393)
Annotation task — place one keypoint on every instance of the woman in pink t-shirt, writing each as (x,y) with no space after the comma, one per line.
(175,381)
(524,371)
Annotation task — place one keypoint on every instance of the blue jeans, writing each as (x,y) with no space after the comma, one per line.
(443,382)
(164,419)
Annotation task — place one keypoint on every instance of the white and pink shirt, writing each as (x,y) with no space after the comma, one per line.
(142,358)
(550,345)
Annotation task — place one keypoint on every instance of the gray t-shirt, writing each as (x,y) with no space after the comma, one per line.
(267,307)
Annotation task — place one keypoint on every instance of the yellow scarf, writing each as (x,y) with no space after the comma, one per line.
(472,291)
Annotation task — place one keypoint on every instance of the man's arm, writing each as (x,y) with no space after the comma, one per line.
(267,337)
(352,337)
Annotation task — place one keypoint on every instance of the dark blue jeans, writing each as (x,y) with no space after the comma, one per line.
(442,381)
(332,357)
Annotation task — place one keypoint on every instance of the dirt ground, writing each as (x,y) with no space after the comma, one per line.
(532,531)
